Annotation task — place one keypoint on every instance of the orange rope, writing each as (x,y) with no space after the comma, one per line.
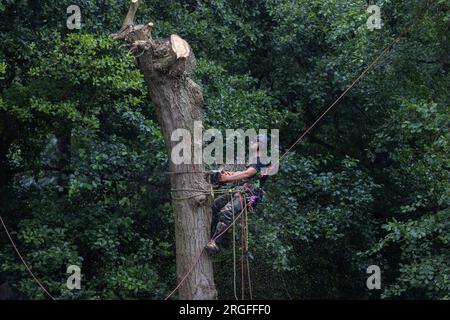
(244,250)
(186,275)
(23,260)
(366,70)
(249,280)
(248,266)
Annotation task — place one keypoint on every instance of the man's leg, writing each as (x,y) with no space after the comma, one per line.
(231,208)
(218,204)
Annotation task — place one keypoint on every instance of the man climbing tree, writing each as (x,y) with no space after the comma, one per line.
(226,207)
(167,65)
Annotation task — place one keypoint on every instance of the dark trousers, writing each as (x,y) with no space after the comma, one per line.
(222,214)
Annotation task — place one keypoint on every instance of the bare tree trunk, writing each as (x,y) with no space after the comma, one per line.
(167,65)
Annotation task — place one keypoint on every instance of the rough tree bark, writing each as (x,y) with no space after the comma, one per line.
(167,65)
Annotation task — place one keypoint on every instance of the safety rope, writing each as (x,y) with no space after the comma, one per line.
(334,103)
(23,260)
(234,260)
(198,192)
(186,275)
(247,251)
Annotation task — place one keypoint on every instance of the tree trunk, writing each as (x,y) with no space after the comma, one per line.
(167,65)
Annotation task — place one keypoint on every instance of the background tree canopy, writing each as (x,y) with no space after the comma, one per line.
(82,158)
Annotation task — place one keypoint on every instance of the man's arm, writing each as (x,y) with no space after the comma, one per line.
(239,175)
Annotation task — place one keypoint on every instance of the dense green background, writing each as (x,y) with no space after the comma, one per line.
(369,186)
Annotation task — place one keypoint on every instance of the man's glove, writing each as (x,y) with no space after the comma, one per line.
(214,178)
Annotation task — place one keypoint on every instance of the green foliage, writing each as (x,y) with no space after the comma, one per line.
(418,147)
(114,176)
(423,271)
(310,214)
(234,101)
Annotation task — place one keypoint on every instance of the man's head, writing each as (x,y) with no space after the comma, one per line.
(261,142)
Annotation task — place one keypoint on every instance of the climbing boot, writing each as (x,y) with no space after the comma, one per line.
(212,247)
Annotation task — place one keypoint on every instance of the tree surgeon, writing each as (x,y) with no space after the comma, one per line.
(249,193)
